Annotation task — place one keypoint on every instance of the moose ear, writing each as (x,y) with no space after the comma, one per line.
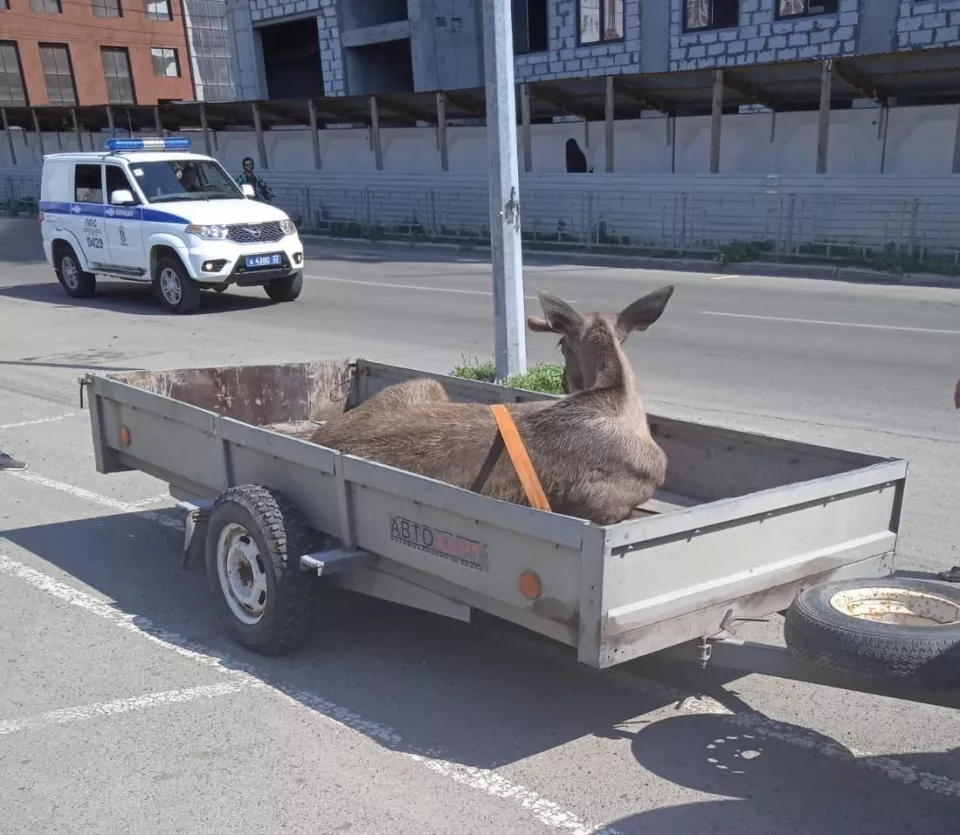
(559,316)
(643,312)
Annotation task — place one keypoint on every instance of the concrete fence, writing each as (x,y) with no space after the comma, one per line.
(743,217)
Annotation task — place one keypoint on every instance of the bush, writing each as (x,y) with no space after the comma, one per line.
(545,377)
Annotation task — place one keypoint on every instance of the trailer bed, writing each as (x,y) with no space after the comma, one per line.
(743,523)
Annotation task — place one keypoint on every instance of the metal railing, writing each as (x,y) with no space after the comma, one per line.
(787,225)
(744,225)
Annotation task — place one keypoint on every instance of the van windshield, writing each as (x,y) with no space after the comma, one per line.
(168,180)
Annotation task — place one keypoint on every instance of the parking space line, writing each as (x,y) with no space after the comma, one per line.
(97,498)
(83,713)
(895,770)
(484,780)
(38,422)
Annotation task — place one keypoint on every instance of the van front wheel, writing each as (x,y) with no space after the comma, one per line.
(178,292)
(285,289)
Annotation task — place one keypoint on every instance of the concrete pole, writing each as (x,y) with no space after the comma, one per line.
(205,125)
(510,347)
(36,130)
(823,118)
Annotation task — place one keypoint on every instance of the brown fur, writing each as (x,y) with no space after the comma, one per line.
(592,450)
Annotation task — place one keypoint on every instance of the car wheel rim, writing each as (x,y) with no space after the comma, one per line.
(170,286)
(69,272)
(242,573)
(897,607)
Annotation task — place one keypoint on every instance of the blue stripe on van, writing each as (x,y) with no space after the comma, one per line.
(141,213)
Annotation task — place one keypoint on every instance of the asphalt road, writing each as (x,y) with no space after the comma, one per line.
(124,708)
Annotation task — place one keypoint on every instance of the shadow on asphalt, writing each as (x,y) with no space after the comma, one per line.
(127,297)
(461,693)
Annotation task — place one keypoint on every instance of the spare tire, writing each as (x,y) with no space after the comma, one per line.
(890,630)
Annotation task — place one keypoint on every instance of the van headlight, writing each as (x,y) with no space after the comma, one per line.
(288,227)
(209,233)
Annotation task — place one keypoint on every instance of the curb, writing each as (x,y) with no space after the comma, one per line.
(856,275)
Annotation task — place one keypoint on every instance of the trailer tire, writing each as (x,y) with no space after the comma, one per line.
(835,627)
(253,546)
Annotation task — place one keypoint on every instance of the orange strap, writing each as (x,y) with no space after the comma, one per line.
(518,455)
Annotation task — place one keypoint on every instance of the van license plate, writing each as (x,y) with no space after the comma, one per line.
(253,261)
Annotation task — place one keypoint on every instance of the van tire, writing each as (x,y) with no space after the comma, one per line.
(178,293)
(285,289)
(76,283)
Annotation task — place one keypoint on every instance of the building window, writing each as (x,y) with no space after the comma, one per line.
(711,14)
(530,29)
(11,77)
(49,6)
(58,73)
(107,8)
(4,5)
(157,10)
(787,9)
(116,70)
(165,62)
(600,20)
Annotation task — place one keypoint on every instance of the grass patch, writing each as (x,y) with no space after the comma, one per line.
(545,377)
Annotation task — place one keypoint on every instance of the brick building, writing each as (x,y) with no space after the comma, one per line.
(118,52)
(358,47)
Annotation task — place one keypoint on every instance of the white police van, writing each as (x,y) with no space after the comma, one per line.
(147,210)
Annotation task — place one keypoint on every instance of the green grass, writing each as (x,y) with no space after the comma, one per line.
(545,377)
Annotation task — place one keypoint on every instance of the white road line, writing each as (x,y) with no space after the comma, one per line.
(480,779)
(419,287)
(246,675)
(151,500)
(83,713)
(38,422)
(827,322)
(97,498)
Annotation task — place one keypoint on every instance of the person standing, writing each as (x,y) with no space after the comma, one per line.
(248,177)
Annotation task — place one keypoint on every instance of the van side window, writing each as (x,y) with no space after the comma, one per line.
(117,181)
(88,184)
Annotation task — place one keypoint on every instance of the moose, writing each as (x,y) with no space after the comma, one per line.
(592,449)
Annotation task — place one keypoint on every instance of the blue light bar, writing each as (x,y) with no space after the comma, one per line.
(173,143)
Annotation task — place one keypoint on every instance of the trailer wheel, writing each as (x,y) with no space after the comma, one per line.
(253,547)
(891,630)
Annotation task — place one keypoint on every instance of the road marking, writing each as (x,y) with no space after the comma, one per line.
(827,322)
(38,422)
(97,498)
(419,287)
(723,277)
(480,779)
(895,770)
(83,713)
(247,676)
(151,500)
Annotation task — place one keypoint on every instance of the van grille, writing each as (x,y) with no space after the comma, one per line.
(255,233)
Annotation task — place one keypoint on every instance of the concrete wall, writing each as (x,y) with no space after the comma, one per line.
(446,43)
(919,143)
(566,59)
(760,37)
(246,15)
(932,23)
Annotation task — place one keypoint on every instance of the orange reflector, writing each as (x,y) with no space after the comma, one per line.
(124,436)
(530,585)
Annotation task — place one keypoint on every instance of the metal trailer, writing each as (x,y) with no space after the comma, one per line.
(745,521)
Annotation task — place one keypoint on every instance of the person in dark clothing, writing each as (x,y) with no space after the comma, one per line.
(576,160)
(249,177)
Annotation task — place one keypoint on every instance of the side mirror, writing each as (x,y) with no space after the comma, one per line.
(122,197)
(247,190)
